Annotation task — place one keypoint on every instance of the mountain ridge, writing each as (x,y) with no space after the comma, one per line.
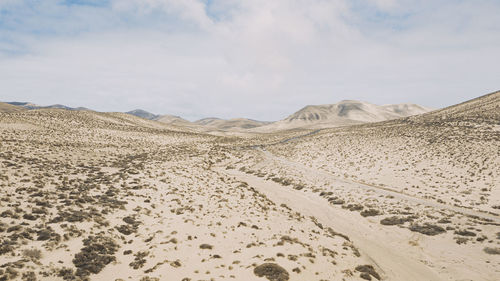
(143,114)
(30,106)
(343,113)
(6,107)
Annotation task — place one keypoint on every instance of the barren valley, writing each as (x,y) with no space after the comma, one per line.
(111,196)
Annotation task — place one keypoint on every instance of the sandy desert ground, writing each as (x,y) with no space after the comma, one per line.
(110,196)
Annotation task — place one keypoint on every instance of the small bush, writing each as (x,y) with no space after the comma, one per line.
(126,229)
(98,252)
(465,233)
(139,259)
(367,270)
(272,272)
(34,254)
(370,213)
(395,220)
(29,276)
(353,207)
(206,246)
(427,229)
(492,251)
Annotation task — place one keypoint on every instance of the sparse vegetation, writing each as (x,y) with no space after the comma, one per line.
(98,251)
(395,220)
(33,254)
(147,195)
(370,212)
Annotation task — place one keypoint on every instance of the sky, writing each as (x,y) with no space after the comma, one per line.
(258,59)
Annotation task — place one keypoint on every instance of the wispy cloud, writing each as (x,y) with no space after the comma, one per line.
(261,59)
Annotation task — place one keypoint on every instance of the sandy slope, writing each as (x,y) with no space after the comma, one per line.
(235,124)
(5,107)
(381,190)
(452,160)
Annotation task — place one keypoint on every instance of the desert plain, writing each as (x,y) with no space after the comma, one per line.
(87,195)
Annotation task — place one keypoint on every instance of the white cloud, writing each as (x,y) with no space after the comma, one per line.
(259,59)
(385,4)
(189,10)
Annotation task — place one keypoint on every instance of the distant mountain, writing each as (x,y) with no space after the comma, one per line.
(173,120)
(407,109)
(213,124)
(347,112)
(344,113)
(143,114)
(29,105)
(231,124)
(5,107)
(60,106)
(26,105)
(208,121)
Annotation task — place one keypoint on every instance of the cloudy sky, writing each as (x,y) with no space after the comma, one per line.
(249,58)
